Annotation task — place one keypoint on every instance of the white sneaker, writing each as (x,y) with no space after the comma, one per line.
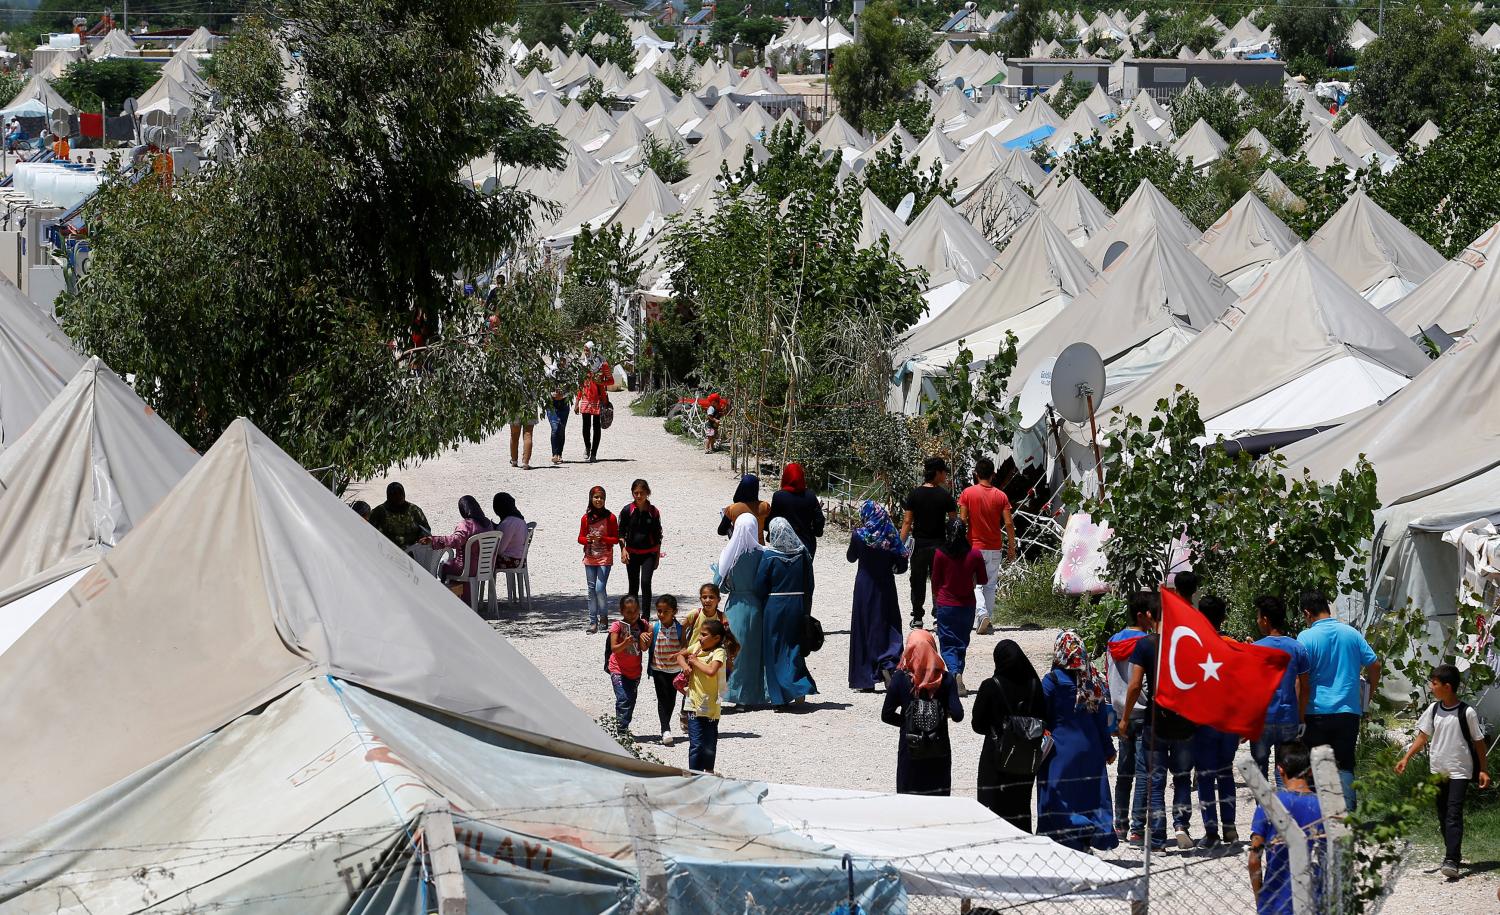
(667,738)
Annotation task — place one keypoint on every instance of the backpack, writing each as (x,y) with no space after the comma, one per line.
(636,527)
(923,720)
(1463,726)
(1020,743)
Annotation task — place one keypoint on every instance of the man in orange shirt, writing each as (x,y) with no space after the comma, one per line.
(986,509)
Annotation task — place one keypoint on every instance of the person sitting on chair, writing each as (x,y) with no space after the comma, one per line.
(512,527)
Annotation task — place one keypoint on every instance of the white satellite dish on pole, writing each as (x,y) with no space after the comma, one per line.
(1036,395)
(1077,385)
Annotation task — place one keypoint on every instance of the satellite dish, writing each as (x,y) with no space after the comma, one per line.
(81,261)
(1077,379)
(1036,395)
(488,187)
(903,209)
(958,81)
(128,109)
(1114,251)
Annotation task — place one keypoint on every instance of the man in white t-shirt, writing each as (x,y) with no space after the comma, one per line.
(1451,731)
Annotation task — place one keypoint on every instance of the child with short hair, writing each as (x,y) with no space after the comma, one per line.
(1457,755)
(1272,883)
(627,639)
(668,637)
(706,664)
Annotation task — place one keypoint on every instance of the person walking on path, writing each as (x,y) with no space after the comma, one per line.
(927,511)
(739,563)
(557,418)
(668,637)
(521,430)
(875,628)
(957,570)
(805,513)
(985,508)
(1289,703)
(1213,758)
(709,597)
(640,540)
(1014,691)
(598,532)
(1073,803)
(1166,740)
(1130,774)
(592,399)
(781,584)
(627,641)
(705,663)
(746,500)
(402,522)
(921,700)
(1338,654)
(1457,754)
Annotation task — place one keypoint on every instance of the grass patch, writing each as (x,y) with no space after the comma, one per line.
(1025,597)
(1378,783)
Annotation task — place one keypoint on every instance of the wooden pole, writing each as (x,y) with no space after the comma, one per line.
(442,852)
(1094,435)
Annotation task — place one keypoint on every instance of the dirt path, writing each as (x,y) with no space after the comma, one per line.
(837,738)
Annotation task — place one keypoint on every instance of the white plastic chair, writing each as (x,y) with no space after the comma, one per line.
(518,578)
(428,558)
(480,551)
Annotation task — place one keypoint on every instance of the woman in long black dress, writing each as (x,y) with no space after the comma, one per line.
(875,630)
(922,766)
(804,512)
(1014,690)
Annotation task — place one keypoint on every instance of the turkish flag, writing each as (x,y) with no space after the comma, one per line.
(1209,679)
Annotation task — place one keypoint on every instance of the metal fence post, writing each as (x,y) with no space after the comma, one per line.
(1298,858)
(1331,802)
(651,897)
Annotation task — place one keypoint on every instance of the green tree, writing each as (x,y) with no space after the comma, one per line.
(534,60)
(88,83)
(1112,170)
(1071,94)
(1309,37)
(880,69)
(667,160)
(1171,33)
(1321,194)
(759,31)
(969,412)
(312,280)
(891,176)
(680,79)
(616,48)
(1221,108)
(1421,68)
(543,23)
(1023,30)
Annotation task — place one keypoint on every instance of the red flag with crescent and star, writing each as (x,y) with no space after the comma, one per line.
(1209,679)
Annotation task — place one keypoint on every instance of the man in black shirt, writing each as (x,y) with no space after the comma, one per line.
(928,509)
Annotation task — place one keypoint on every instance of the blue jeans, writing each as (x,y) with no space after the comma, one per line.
(1213,757)
(557,418)
(954,626)
(597,577)
(625,691)
(1175,756)
(1271,738)
(703,743)
(1130,791)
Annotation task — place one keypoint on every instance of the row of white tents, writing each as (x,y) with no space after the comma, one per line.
(180,88)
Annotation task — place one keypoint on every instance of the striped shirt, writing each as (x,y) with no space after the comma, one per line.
(667,643)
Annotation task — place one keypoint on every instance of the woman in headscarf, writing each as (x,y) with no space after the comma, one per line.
(800,507)
(781,582)
(472,520)
(746,500)
(512,527)
(739,562)
(1014,690)
(921,700)
(875,630)
(1073,800)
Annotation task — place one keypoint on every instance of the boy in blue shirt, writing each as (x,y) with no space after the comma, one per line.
(1289,702)
(1272,882)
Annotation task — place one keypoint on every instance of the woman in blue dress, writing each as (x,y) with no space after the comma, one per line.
(875,630)
(781,582)
(1073,801)
(738,564)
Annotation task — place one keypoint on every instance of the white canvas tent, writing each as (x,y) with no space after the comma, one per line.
(1373,251)
(646,210)
(36,361)
(949,248)
(37,97)
(1076,211)
(1458,294)
(1243,242)
(875,220)
(1146,210)
(1300,349)
(1201,145)
(114,44)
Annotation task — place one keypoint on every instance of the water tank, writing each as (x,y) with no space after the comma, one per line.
(65,40)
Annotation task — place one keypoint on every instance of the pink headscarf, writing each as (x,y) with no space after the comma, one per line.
(921,661)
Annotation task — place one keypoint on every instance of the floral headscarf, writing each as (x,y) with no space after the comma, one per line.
(877,530)
(781,538)
(1068,653)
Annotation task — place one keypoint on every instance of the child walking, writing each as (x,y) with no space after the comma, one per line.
(1457,754)
(1272,884)
(957,569)
(708,609)
(640,540)
(706,664)
(598,531)
(667,639)
(627,639)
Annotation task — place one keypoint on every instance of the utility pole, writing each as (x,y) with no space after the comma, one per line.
(826,4)
(125,18)
(1380,21)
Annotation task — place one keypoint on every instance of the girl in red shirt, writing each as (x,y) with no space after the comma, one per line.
(598,532)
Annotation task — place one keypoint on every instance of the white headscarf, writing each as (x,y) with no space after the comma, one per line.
(782,538)
(745,538)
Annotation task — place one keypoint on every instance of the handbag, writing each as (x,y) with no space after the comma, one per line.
(812,634)
(606,415)
(1021,743)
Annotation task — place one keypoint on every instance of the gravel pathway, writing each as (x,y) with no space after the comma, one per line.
(836,739)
